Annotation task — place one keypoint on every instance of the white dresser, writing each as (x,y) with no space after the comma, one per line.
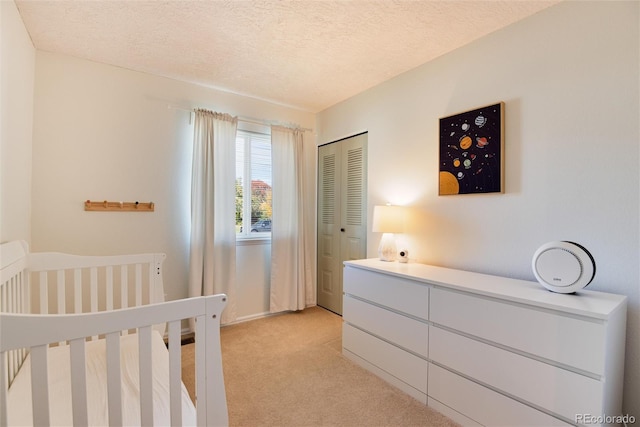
(487,350)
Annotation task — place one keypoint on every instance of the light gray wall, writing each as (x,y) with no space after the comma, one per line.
(569,79)
(16,121)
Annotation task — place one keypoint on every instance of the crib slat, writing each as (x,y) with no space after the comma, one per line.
(201,390)
(150,288)
(11,287)
(124,287)
(44,293)
(4,383)
(25,284)
(77,294)
(61,292)
(146,378)
(3,295)
(93,292)
(156,278)
(93,277)
(114,386)
(40,386)
(175,374)
(14,362)
(109,285)
(17,290)
(138,285)
(78,382)
(13,365)
(13,300)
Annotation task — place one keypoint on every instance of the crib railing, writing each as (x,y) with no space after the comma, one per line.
(14,296)
(58,283)
(211,407)
(82,284)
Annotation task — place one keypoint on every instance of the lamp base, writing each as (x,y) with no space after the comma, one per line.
(387,249)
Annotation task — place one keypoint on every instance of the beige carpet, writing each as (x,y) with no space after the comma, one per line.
(288,370)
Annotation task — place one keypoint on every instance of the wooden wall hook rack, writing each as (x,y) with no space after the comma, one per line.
(105,205)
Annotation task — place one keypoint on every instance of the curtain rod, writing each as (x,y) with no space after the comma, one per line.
(272,123)
(246,119)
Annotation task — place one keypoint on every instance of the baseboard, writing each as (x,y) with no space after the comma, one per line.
(261,316)
(252,317)
(188,335)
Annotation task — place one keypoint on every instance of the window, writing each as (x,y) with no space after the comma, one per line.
(253,184)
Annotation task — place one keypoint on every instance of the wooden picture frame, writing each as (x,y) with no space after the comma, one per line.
(472,151)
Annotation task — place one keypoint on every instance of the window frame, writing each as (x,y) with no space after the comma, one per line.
(263,132)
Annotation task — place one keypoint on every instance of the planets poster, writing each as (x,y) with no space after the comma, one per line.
(472,151)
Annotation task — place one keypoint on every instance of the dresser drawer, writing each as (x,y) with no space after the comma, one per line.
(404,366)
(573,341)
(479,403)
(560,391)
(405,332)
(400,294)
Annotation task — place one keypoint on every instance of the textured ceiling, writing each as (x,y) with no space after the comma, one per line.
(305,54)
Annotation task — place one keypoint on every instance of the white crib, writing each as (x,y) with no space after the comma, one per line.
(81,342)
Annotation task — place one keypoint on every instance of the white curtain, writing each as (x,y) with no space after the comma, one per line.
(291,268)
(212,259)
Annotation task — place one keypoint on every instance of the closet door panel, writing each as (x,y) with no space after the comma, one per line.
(342,214)
(329,268)
(353,203)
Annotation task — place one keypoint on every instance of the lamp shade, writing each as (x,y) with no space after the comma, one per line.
(388,219)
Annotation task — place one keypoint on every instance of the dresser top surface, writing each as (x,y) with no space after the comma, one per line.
(599,305)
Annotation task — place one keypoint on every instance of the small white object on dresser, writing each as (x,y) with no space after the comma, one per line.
(486,350)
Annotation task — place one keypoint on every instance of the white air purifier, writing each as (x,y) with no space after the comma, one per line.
(563,267)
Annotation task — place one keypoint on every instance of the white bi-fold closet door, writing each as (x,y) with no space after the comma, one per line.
(342,214)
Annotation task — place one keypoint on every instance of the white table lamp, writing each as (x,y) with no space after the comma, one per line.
(388,220)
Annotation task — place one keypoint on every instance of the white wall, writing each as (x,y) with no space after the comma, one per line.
(254,277)
(17,65)
(106,133)
(569,78)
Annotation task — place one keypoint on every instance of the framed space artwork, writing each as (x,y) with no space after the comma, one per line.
(472,151)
